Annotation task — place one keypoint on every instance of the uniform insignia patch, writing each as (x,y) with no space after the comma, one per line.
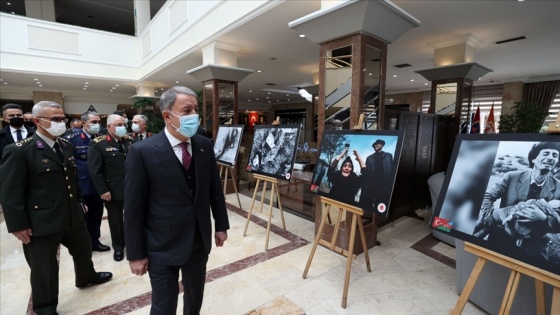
(40,145)
(45,161)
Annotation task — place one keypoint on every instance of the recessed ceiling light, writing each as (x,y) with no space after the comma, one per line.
(411,80)
(269,102)
(257,99)
(267,97)
(176,81)
(38,82)
(87,83)
(113,88)
(85,89)
(162,89)
(288,100)
(40,85)
(394,75)
(8,3)
(250,91)
(302,35)
(370,73)
(110,90)
(116,85)
(5,82)
(35,79)
(426,83)
(259,71)
(268,92)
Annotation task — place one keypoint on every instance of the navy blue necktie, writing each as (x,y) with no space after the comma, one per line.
(18,135)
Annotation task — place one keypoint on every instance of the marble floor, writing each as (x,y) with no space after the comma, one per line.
(412,273)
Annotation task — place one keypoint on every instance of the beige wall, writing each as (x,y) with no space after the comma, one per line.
(414,99)
(48,96)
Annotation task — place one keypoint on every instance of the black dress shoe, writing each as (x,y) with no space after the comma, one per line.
(118,255)
(100,248)
(100,277)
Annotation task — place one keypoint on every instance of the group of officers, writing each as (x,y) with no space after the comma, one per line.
(96,157)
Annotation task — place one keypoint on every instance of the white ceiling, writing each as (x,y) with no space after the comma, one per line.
(296,59)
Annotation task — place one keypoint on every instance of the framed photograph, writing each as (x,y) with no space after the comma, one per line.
(501,192)
(273,151)
(358,168)
(227,144)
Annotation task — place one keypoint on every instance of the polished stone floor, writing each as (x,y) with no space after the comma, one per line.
(412,273)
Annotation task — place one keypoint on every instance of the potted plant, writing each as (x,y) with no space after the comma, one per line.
(525,118)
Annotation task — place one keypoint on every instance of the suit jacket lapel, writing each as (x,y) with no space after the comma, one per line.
(170,163)
(523,186)
(47,150)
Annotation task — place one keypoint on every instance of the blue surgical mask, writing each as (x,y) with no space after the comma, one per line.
(189,124)
(94,128)
(120,131)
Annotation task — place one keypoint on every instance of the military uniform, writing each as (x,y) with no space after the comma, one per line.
(39,191)
(105,161)
(136,137)
(91,199)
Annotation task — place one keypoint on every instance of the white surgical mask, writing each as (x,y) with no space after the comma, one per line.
(135,127)
(56,129)
(120,131)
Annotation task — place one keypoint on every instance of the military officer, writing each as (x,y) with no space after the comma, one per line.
(41,200)
(80,140)
(139,125)
(106,158)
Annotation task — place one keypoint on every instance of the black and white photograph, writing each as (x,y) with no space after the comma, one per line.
(358,168)
(227,144)
(273,151)
(502,192)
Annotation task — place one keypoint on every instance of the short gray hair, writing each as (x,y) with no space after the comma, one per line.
(111,118)
(143,118)
(168,97)
(85,116)
(38,108)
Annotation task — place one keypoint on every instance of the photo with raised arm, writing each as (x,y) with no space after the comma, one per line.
(227,144)
(358,168)
(502,192)
(274,150)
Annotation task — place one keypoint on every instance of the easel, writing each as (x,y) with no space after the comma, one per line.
(518,268)
(349,253)
(226,168)
(274,187)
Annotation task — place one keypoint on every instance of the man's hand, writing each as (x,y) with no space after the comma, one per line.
(25,235)
(106,196)
(220,238)
(139,267)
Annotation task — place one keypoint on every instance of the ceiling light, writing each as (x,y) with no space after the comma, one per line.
(426,83)
(8,3)
(370,73)
(35,79)
(5,82)
(394,75)
(267,97)
(110,90)
(38,82)
(305,94)
(162,89)
(257,99)
(259,71)
(87,83)
(268,102)
(176,81)
(268,92)
(411,80)
(116,85)
(250,91)
(85,89)
(40,85)
(302,35)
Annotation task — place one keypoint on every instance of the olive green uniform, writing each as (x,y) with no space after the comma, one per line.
(106,159)
(40,192)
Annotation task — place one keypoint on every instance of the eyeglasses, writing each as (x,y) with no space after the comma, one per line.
(55,119)
(94,122)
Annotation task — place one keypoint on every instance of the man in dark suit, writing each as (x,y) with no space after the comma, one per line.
(16,131)
(139,125)
(80,140)
(41,200)
(106,156)
(174,178)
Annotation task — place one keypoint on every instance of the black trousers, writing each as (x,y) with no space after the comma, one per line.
(94,216)
(115,212)
(40,254)
(165,283)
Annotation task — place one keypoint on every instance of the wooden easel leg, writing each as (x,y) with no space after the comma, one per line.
(262,195)
(469,286)
(269,216)
(316,241)
(336,229)
(555,307)
(280,207)
(225,179)
(235,188)
(252,204)
(540,298)
(364,243)
(349,260)
(509,295)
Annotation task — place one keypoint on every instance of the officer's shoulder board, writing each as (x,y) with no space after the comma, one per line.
(72,136)
(64,139)
(24,142)
(100,138)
